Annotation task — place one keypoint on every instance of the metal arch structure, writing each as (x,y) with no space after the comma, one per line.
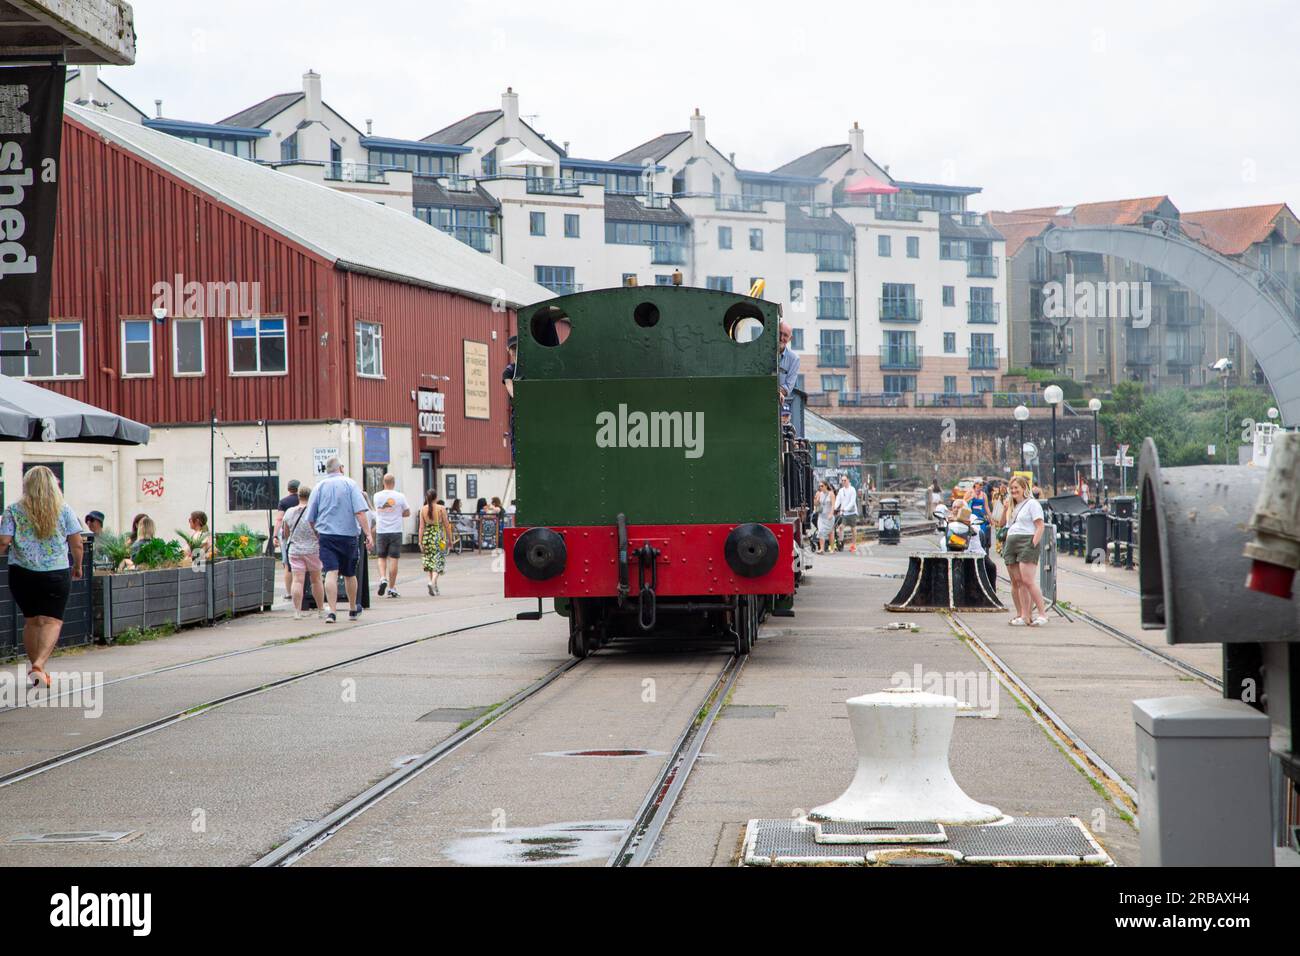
(1240,294)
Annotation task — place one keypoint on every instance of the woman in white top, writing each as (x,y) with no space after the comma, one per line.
(825,505)
(1024,538)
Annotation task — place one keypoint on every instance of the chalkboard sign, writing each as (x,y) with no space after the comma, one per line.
(451,487)
(252,493)
(489,531)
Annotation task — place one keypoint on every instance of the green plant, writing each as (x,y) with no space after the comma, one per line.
(240,542)
(157,553)
(138,635)
(111,548)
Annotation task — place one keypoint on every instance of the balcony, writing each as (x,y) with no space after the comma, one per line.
(967,218)
(832,356)
(727,202)
(906,357)
(461,184)
(550,186)
(1139,355)
(834,307)
(832,262)
(982,267)
(668,253)
(1185,316)
(951,400)
(899,213)
(562,288)
(873,399)
(1045,355)
(900,310)
(349,172)
(476,237)
(983,358)
(1184,353)
(1012,399)
(983,313)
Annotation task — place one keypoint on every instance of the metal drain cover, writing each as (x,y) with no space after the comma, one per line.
(884,831)
(453,715)
(1057,840)
(76,836)
(751,710)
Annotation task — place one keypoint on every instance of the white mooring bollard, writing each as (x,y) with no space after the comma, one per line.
(902,736)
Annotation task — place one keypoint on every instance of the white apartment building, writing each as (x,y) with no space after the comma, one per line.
(890,285)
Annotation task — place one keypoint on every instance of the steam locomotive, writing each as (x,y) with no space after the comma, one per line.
(659,493)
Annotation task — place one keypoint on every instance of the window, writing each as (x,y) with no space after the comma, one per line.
(1069,340)
(721,283)
(882,245)
(950,342)
(949,295)
(252,484)
(950,384)
(559,279)
(570,225)
(913,247)
(981,383)
(724,237)
(1101,341)
(59,345)
(796,294)
(257,347)
(796,339)
(798,383)
(137,348)
(537,223)
(900,383)
(289,148)
(661,279)
(187,347)
(370,349)
(756,240)
(832,383)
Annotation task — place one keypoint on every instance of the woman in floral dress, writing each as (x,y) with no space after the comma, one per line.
(435,535)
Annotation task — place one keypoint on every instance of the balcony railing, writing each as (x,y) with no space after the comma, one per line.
(1012,399)
(550,186)
(832,262)
(983,313)
(668,253)
(1189,315)
(834,307)
(899,213)
(1042,354)
(967,218)
(563,288)
(873,399)
(1139,355)
(951,400)
(982,267)
(1184,353)
(477,237)
(900,356)
(900,310)
(357,172)
(983,358)
(729,202)
(832,356)
(461,184)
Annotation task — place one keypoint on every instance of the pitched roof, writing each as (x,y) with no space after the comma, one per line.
(814,163)
(626,209)
(464,129)
(353,233)
(1018,229)
(796,220)
(259,113)
(818,429)
(1020,225)
(426,192)
(952,227)
(654,149)
(1231,232)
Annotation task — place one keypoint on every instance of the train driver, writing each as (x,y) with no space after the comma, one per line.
(787,370)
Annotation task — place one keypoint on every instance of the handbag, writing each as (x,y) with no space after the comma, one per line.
(1002,535)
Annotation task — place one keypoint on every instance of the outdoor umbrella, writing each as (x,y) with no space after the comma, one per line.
(867,186)
(31,413)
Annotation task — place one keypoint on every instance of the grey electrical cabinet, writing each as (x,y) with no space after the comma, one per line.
(1203,782)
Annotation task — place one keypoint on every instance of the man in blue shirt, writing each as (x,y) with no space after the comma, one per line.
(336,510)
(787,370)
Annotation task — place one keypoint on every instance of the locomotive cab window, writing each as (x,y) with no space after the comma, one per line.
(743,322)
(550,327)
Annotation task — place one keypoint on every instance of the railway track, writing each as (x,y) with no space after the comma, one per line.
(153,726)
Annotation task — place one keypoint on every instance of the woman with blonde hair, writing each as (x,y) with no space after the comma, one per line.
(38,531)
(1025,529)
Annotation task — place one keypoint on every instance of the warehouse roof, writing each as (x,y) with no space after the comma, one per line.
(355,234)
(818,429)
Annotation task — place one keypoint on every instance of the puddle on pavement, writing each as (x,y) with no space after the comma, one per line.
(550,845)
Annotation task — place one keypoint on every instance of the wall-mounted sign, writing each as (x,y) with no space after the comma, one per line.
(321,455)
(477,400)
(31,127)
(374,449)
(431,412)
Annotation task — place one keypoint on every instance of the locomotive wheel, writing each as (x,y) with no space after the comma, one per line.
(580,642)
(746,625)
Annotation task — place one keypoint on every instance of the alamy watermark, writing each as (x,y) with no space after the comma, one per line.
(624,429)
(1087,299)
(976,690)
(197,300)
(79,690)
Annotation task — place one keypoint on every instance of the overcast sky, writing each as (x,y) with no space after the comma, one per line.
(1037,102)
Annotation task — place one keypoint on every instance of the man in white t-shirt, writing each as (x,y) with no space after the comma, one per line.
(390,511)
(846,508)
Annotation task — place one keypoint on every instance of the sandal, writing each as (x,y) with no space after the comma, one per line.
(1017,622)
(39,677)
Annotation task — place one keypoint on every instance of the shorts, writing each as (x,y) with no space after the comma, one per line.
(40,593)
(849,520)
(304,563)
(338,552)
(1020,549)
(388,545)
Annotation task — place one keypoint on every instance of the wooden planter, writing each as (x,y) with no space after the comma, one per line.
(181,596)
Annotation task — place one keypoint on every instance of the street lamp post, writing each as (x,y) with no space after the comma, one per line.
(1094,406)
(1022,414)
(1053,396)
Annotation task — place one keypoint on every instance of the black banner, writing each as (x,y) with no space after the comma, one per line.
(31,126)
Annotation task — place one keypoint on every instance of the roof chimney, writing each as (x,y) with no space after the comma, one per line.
(157,108)
(697,133)
(311,90)
(855,142)
(510,111)
(369,125)
(83,88)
